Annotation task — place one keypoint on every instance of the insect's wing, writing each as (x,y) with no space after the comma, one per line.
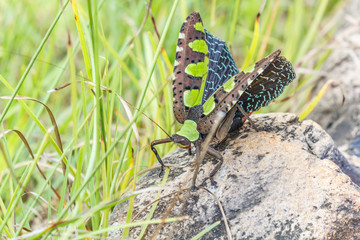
(225,97)
(190,67)
(268,85)
(221,65)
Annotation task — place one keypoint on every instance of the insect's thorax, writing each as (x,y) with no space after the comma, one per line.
(195,113)
(189,130)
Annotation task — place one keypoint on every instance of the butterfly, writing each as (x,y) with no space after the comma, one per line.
(209,90)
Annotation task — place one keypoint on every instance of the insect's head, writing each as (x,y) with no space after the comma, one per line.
(181,141)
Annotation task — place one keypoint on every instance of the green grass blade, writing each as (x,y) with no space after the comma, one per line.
(31,63)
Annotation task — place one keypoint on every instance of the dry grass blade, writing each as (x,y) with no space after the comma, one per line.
(10,169)
(42,199)
(154,206)
(148,6)
(222,213)
(123,102)
(154,24)
(23,139)
(265,40)
(205,145)
(167,214)
(52,118)
(156,200)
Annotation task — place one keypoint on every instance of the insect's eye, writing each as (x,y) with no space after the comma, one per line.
(185,142)
(181,141)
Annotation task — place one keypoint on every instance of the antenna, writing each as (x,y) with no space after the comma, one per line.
(89,83)
(110,91)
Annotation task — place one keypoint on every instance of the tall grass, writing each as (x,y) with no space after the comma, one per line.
(99,47)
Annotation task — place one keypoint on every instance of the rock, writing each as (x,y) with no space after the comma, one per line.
(281,183)
(342,66)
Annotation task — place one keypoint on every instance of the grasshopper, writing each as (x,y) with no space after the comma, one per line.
(207,83)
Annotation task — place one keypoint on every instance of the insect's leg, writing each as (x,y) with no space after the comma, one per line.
(189,151)
(156,142)
(247,117)
(217,155)
(197,164)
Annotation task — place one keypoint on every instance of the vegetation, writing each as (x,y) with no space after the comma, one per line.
(69,155)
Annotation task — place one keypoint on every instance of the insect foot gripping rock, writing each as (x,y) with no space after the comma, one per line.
(207,82)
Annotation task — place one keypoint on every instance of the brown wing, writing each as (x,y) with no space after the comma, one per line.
(190,66)
(225,98)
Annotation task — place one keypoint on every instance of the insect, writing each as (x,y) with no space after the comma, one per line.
(207,82)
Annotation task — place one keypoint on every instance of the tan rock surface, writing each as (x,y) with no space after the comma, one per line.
(281,183)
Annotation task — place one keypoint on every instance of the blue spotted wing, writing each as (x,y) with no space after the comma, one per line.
(267,86)
(221,65)
(227,96)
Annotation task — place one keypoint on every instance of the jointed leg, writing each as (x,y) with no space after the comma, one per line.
(189,151)
(156,142)
(247,117)
(197,164)
(211,152)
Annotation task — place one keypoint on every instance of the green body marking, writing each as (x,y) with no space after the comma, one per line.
(199,46)
(198,26)
(196,69)
(209,105)
(189,131)
(190,97)
(229,85)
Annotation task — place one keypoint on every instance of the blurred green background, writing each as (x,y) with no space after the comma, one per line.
(108,46)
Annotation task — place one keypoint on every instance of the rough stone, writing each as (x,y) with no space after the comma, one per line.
(342,66)
(284,182)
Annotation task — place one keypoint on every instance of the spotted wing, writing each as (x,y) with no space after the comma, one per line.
(190,67)
(268,86)
(225,98)
(221,65)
